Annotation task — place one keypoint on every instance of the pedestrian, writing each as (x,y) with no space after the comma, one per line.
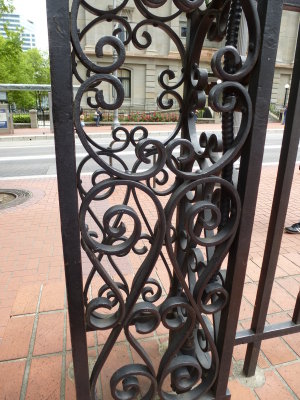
(82,118)
(99,116)
(295,228)
(284,116)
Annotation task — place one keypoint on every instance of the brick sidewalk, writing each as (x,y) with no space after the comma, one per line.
(35,349)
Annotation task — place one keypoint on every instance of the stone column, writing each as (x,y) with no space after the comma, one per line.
(150,84)
(33,118)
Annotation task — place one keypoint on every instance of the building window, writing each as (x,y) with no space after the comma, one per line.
(123,34)
(183,30)
(125,77)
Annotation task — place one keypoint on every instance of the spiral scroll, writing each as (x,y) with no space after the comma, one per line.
(165,208)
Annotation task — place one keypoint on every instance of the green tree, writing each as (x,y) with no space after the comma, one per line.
(10,54)
(18,66)
(37,65)
(6,7)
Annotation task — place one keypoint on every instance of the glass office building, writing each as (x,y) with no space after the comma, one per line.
(14,22)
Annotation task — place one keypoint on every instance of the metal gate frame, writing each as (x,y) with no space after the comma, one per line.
(260,85)
(258,331)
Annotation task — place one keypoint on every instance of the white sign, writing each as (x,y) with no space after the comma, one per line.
(3,96)
(3,119)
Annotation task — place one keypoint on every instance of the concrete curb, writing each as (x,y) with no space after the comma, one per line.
(95,135)
(106,134)
(12,138)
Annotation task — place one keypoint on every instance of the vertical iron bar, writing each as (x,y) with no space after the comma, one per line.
(260,88)
(296,313)
(232,32)
(284,180)
(181,210)
(285,97)
(62,95)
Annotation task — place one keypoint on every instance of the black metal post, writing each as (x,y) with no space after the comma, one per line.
(260,87)
(285,97)
(286,167)
(61,80)
(296,314)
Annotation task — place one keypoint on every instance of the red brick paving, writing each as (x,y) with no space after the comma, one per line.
(45,378)
(49,334)
(53,297)
(11,377)
(27,299)
(290,373)
(16,338)
(274,388)
(33,317)
(239,391)
(282,354)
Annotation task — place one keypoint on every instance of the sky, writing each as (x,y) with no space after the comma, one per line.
(35,11)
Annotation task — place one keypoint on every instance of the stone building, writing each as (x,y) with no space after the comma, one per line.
(139,74)
(285,56)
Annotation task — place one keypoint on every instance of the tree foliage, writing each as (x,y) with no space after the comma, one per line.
(18,66)
(6,7)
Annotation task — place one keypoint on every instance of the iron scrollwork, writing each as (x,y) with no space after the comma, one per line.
(169,210)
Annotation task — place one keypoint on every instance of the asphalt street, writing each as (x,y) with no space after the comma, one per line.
(28,158)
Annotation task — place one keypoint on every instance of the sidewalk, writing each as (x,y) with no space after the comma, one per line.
(35,348)
(44,132)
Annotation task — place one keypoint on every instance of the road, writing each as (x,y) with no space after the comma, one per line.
(37,158)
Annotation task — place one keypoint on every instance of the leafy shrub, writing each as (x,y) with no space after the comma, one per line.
(274,109)
(150,117)
(135,116)
(21,118)
(200,113)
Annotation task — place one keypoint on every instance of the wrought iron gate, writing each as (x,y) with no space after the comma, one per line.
(194,221)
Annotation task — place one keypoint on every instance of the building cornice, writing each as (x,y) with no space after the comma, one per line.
(206,55)
(284,66)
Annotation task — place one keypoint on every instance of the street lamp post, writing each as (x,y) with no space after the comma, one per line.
(116,122)
(286,86)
